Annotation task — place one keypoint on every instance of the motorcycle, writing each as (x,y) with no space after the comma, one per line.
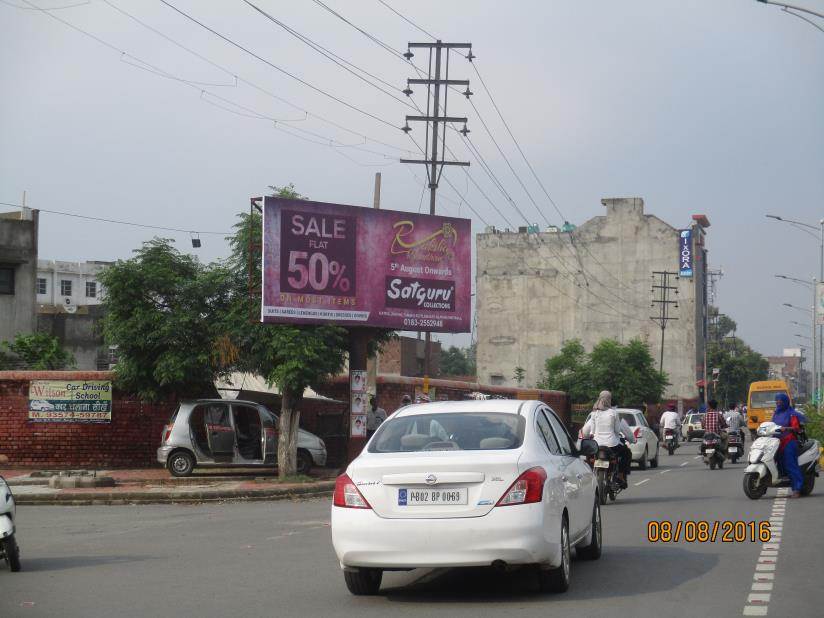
(8,544)
(669,440)
(735,446)
(764,470)
(605,465)
(711,449)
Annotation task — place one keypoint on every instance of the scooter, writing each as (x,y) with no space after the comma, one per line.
(735,446)
(711,449)
(764,471)
(669,440)
(8,544)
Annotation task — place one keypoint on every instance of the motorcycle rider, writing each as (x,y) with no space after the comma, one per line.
(790,421)
(670,420)
(735,421)
(606,426)
(714,422)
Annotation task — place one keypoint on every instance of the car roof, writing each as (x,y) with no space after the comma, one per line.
(194,402)
(505,406)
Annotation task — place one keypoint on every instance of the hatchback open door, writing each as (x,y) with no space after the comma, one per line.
(219,431)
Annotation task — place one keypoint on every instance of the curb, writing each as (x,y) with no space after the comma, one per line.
(69,498)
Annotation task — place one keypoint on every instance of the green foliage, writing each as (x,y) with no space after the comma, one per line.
(815,423)
(738,366)
(35,351)
(520,374)
(627,370)
(456,362)
(162,311)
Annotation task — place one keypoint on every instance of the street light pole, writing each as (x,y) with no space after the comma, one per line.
(793,7)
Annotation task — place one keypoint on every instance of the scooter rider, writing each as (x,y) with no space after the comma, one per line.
(670,420)
(735,421)
(606,426)
(714,423)
(790,421)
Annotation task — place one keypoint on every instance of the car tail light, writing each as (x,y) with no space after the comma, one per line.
(166,433)
(347,495)
(637,432)
(528,488)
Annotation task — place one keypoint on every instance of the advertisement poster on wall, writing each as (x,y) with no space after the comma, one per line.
(70,401)
(353,266)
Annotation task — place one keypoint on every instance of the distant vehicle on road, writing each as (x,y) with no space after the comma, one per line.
(467,483)
(40,405)
(646,447)
(693,427)
(217,432)
(761,402)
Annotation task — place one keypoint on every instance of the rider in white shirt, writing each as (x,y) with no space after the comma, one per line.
(670,420)
(605,426)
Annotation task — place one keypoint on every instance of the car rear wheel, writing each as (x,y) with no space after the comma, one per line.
(642,463)
(593,550)
(557,580)
(653,463)
(363,581)
(181,463)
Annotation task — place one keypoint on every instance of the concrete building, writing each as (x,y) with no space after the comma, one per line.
(18,271)
(790,368)
(68,307)
(535,291)
(405,356)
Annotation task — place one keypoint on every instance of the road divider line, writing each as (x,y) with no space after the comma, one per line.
(683,464)
(663,471)
(758,599)
(642,482)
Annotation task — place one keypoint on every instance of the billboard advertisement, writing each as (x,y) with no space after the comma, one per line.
(685,253)
(70,401)
(353,266)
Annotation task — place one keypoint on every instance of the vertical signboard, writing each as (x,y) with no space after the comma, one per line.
(819,303)
(685,253)
(353,266)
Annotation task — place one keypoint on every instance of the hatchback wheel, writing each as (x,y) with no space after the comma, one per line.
(363,581)
(593,550)
(642,463)
(181,463)
(557,579)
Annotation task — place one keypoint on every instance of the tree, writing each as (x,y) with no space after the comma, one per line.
(520,374)
(36,351)
(627,370)
(163,312)
(738,365)
(455,362)
(292,357)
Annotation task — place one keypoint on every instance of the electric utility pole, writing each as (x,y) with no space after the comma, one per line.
(661,290)
(436,83)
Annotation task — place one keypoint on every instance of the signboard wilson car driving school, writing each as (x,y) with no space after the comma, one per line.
(347,265)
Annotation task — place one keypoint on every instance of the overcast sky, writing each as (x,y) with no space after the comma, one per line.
(698,106)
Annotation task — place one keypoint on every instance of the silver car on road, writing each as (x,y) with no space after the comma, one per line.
(221,433)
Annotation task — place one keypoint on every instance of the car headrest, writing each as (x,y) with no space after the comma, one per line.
(414,441)
(494,443)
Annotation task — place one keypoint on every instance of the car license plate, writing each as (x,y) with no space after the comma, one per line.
(709,451)
(600,463)
(432,497)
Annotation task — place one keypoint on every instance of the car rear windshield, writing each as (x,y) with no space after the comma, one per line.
(764,399)
(464,431)
(629,419)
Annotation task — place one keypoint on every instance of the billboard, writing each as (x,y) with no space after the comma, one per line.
(353,266)
(70,401)
(685,253)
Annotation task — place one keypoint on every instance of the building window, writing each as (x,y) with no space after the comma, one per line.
(6,279)
(91,289)
(496,379)
(41,286)
(65,287)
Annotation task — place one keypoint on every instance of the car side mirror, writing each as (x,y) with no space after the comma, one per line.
(589,448)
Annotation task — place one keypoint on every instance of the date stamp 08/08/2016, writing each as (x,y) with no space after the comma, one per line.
(702,531)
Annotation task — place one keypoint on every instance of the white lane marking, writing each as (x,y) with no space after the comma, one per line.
(642,482)
(684,464)
(663,471)
(758,601)
(697,457)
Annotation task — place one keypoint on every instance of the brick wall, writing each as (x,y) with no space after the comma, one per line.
(130,440)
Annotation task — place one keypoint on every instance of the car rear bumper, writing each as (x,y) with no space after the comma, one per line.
(163,454)
(514,534)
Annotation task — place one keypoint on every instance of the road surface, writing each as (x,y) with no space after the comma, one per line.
(276,559)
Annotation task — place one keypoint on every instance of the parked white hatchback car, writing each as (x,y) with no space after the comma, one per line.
(645,449)
(469,483)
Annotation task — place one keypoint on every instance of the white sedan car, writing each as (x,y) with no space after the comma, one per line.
(645,449)
(467,483)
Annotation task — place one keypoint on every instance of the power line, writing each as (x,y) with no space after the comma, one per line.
(117,221)
(281,69)
(409,21)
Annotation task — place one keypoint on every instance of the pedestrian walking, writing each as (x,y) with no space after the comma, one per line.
(374,416)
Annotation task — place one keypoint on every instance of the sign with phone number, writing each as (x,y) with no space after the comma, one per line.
(70,401)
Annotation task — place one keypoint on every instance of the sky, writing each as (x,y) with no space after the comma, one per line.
(698,106)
